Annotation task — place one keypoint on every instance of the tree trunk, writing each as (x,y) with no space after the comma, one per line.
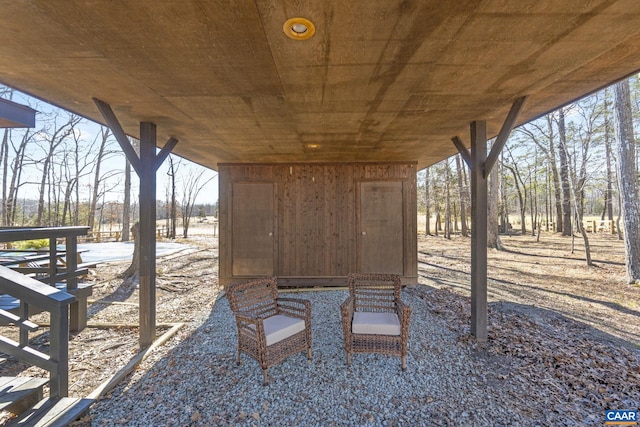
(126,207)
(427,215)
(174,203)
(132,273)
(493,236)
(627,175)
(16,178)
(504,206)
(76,190)
(447,207)
(564,176)
(521,202)
(172,208)
(608,197)
(462,194)
(533,207)
(4,154)
(96,181)
(191,187)
(55,139)
(554,173)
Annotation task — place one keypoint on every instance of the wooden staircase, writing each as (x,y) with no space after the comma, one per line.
(67,310)
(23,397)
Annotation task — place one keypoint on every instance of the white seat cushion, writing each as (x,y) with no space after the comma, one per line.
(279,327)
(375,323)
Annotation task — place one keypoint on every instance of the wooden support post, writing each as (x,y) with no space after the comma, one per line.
(145,166)
(478,231)
(53,258)
(505,131)
(464,153)
(59,351)
(147,234)
(480,165)
(78,309)
(118,132)
(23,312)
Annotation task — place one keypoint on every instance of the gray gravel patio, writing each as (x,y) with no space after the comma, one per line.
(450,380)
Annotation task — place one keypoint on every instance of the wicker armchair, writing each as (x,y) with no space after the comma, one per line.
(374,319)
(270,329)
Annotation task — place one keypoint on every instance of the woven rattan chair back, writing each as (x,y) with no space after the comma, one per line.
(253,303)
(257,297)
(374,292)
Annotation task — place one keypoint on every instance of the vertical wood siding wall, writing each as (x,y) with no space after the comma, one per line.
(316,219)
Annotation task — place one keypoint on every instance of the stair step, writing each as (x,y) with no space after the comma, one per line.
(53,412)
(17,394)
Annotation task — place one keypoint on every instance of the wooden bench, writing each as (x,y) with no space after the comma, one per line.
(37,264)
(82,293)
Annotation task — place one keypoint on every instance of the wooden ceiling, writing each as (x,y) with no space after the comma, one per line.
(381,80)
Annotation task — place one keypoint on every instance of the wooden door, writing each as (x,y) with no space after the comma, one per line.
(253,231)
(381,227)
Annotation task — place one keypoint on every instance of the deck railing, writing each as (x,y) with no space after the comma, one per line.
(70,273)
(32,292)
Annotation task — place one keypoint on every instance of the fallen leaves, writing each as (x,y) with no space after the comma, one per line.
(581,374)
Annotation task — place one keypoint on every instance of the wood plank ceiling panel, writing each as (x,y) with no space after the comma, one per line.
(379,80)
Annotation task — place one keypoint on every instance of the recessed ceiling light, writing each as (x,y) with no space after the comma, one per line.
(313,146)
(299,28)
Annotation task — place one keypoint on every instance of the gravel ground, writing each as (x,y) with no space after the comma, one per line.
(451,380)
(563,347)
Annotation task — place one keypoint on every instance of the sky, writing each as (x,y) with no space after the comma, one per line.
(116,163)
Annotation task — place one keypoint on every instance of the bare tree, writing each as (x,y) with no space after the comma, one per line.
(462,193)
(608,195)
(4,159)
(493,236)
(564,176)
(52,140)
(18,165)
(132,273)
(191,187)
(173,207)
(100,179)
(590,126)
(543,136)
(447,200)
(427,204)
(627,176)
(126,206)
(74,165)
(521,187)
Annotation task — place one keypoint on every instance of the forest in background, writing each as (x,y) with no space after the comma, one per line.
(561,173)
(572,171)
(69,171)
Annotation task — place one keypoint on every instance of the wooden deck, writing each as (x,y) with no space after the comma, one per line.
(47,265)
(22,396)
(51,412)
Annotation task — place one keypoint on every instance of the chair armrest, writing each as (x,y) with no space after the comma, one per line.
(294,307)
(404,316)
(249,324)
(346,310)
(247,317)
